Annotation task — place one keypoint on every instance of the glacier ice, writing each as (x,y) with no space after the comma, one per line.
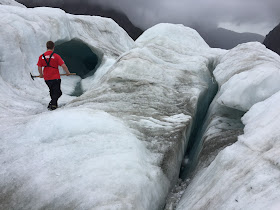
(27,30)
(121,143)
(256,72)
(243,175)
(76,158)
(11,3)
(150,83)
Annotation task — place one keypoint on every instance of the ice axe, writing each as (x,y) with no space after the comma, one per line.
(60,75)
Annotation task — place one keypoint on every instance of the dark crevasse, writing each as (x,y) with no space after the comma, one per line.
(194,145)
(79,58)
(194,142)
(202,148)
(195,138)
(215,127)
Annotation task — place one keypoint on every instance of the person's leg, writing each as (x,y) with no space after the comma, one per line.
(56,91)
(50,85)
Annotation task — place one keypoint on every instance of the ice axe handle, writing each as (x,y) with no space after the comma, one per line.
(66,74)
(60,75)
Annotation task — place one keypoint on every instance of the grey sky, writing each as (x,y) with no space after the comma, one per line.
(244,15)
(239,13)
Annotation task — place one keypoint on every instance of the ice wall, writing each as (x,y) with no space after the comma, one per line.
(243,175)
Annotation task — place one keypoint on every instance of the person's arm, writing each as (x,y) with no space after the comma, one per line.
(40,72)
(65,69)
(40,69)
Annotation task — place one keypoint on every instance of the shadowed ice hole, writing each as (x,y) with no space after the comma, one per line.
(79,58)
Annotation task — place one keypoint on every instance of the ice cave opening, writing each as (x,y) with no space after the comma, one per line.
(79,58)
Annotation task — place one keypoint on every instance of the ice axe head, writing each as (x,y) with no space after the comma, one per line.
(32,76)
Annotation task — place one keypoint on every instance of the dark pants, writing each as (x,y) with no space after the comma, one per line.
(55,92)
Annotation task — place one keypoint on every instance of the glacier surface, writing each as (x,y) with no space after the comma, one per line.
(121,143)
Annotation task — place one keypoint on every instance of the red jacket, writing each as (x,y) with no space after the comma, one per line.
(52,72)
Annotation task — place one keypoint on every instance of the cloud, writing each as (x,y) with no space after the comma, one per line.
(202,13)
(146,13)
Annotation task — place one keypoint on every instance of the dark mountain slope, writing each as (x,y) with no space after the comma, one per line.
(272,40)
(89,9)
(226,39)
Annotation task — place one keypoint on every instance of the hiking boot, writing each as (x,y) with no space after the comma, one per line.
(53,107)
(50,106)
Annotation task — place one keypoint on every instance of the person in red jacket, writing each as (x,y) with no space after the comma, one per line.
(50,61)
